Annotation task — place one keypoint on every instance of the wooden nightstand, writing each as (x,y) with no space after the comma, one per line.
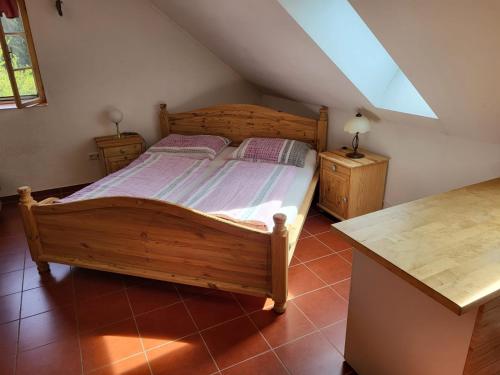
(351,187)
(117,153)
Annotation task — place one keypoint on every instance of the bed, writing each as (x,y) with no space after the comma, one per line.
(153,238)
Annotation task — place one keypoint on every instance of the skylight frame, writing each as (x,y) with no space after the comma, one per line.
(336,27)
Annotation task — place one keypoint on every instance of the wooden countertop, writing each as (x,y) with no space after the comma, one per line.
(447,245)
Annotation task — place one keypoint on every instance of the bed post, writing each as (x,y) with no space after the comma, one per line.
(322,129)
(164,125)
(279,263)
(26,201)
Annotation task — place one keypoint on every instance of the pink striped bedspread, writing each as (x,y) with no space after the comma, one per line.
(152,175)
(243,191)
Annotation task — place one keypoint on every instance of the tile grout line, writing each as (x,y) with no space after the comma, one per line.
(343,257)
(327,284)
(145,351)
(56,340)
(139,315)
(315,274)
(12,271)
(324,243)
(249,359)
(318,258)
(115,362)
(319,330)
(19,318)
(199,332)
(341,296)
(314,325)
(260,332)
(221,323)
(316,330)
(77,322)
(68,304)
(137,330)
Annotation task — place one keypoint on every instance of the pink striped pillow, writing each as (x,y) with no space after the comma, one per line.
(273,150)
(192,146)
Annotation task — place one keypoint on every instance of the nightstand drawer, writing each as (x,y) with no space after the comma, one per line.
(117,153)
(331,166)
(116,163)
(123,150)
(129,157)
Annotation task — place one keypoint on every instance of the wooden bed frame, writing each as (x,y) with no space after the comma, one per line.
(159,240)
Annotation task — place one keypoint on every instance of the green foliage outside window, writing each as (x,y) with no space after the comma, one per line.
(20,59)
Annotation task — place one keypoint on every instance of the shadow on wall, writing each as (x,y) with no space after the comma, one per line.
(236,92)
(226,94)
(369,115)
(287,105)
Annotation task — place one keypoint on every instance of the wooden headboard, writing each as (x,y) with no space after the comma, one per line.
(240,121)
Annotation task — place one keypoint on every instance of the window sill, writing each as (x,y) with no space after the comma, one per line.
(13,105)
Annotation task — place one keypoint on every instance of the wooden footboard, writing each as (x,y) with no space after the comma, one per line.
(159,240)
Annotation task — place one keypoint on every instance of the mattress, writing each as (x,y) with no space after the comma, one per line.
(238,190)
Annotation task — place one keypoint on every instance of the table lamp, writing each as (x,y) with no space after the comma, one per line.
(116,116)
(357,125)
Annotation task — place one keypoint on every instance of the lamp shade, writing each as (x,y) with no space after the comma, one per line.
(359,124)
(115,115)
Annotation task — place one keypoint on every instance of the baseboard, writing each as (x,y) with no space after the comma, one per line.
(42,194)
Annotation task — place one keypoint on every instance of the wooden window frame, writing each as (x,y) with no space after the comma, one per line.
(18,99)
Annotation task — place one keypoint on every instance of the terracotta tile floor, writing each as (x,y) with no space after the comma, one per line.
(75,321)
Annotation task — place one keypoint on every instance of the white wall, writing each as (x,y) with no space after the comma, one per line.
(424,161)
(125,53)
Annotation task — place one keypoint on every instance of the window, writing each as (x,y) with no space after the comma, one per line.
(20,81)
(336,27)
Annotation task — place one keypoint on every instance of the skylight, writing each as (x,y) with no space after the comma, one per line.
(346,39)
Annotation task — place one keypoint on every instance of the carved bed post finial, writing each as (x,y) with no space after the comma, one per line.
(164,125)
(322,129)
(25,195)
(279,223)
(279,263)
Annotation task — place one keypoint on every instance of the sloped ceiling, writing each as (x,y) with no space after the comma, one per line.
(447,48)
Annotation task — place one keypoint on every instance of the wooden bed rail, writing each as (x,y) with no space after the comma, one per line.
(159,240)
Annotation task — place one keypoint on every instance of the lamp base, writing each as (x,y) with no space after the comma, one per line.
(355,155)
(118,134)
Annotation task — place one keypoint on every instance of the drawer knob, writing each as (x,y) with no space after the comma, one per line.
(122,151)
(334,168)
(344,199)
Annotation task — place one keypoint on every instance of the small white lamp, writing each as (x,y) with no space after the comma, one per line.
(116,116)
(357,125)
